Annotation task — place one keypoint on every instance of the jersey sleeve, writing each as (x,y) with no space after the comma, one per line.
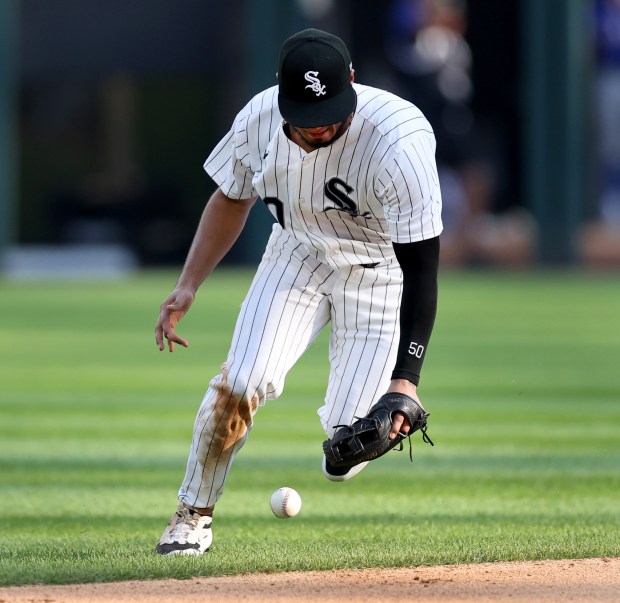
(226,164)
(409,188)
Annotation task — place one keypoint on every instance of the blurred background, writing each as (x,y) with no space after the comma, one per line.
(108,110)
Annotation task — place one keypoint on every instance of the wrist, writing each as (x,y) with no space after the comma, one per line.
(403,386)
(186,287)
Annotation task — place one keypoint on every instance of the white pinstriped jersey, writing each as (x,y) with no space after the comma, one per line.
(341,207)
(346,202)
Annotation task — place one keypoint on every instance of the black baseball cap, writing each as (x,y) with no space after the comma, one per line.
(313,73)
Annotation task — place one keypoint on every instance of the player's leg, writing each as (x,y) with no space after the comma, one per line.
(282,314)
(363,346)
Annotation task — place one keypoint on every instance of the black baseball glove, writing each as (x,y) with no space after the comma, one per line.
(368,438)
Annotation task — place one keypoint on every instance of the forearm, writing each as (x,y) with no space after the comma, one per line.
(221,224)
(419,262)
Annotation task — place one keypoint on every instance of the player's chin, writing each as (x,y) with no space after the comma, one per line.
(319,141)
(320,136)
(319,132)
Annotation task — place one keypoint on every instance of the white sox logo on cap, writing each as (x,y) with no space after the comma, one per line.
(322,61)
(315,84)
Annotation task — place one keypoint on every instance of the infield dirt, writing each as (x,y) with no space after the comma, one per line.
(591,580)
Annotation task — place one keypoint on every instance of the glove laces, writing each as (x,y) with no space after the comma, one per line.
(425,439)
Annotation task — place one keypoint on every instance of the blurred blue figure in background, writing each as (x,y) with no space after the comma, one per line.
(608,105)
(431,63)
(600,237)
(427,48)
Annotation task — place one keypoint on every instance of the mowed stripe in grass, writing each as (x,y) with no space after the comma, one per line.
(95,425)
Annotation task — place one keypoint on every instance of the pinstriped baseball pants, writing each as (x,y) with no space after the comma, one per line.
(292,297)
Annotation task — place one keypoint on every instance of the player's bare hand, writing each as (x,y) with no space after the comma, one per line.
(400,423)
(171,311)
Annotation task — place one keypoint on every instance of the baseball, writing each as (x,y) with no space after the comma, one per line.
(285,503)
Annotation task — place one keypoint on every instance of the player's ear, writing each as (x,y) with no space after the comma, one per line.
(352,76)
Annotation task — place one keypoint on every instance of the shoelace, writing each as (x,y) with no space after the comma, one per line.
(186,522)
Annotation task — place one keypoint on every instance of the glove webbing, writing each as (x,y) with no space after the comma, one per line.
(425,437)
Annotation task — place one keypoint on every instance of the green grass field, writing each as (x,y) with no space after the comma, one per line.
(522,381)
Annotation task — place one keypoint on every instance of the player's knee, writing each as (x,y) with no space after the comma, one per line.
(242,384)
(237,402)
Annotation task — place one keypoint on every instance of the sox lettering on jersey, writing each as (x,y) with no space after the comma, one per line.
(336,190)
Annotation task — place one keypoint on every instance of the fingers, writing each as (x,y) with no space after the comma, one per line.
(400,424)
(173,338)
(159,337)
(169,316)
(170,336)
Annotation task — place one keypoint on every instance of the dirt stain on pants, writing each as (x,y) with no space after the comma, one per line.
(221,428)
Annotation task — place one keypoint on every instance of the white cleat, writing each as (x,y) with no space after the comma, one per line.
(187,533)
(341,474)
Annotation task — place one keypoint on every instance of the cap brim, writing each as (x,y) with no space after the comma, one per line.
(324,113)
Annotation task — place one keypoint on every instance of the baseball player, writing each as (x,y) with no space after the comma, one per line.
(348,172)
